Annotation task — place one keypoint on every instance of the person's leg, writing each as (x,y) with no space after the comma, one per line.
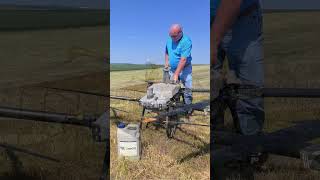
(186,79)
(245,56)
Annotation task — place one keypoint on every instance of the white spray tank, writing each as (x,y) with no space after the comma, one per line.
(129,141)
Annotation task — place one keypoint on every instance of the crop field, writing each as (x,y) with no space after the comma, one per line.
(29,57)
(291,60)
(30,19)
(128,67)
(186,156)
(36,56)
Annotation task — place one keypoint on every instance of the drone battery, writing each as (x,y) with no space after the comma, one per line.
(129,142)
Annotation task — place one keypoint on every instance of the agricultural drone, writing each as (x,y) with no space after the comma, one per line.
(166,99)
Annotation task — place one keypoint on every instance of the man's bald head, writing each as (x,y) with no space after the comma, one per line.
(176,28)
(175,32)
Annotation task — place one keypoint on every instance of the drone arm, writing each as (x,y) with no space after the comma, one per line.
(40,116)
(99,126)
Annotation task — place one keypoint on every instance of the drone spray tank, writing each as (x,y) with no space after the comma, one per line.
(159,95)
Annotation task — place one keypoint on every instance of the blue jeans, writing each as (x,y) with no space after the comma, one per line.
(242,45)
(186,79)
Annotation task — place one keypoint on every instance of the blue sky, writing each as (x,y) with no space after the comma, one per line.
(139,29)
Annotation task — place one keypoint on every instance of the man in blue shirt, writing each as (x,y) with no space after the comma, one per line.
(178,57)
(236,33)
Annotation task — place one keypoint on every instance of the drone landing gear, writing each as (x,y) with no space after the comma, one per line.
(169,123)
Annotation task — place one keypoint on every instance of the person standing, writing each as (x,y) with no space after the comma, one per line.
(178,58)
(236,33)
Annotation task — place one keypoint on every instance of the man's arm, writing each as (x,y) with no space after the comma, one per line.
(180,67)
(186,52)
(226,15)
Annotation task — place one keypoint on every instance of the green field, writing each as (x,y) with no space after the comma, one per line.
(17,20)
(129,67)
(122,79)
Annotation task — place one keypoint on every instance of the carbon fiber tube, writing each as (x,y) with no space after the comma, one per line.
(124,98)
(41,116)
(13,148)
(201,90)
(291,92)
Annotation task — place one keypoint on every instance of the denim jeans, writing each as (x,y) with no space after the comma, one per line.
(185,77)
(242,45)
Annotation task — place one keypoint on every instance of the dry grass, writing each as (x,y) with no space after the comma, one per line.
(184,157)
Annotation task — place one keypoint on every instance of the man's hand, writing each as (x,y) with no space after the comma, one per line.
(166,66)
(175,77)
(227,14)
(180,67)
